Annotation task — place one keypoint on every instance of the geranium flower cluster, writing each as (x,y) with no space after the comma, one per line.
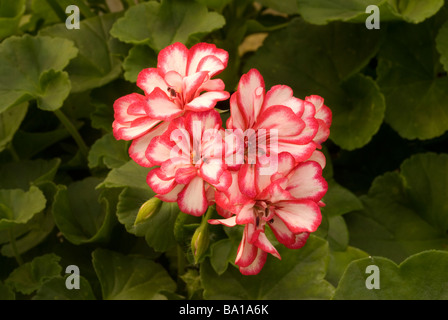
(263,170)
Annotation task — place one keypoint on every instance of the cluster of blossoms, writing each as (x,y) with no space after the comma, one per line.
(264,169)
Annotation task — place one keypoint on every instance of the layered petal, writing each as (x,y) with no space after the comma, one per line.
(173,58)
(299,215)
(192,198)
(306,182)
(201,51)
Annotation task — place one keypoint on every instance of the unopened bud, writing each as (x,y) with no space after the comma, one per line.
(200,242)
(148,209)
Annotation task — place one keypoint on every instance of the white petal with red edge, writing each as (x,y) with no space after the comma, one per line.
(122,105)
(256,266)
(246,252)
(186,174)
(159,150)
(299,215)
(202,50)
(299,152)
(211,64)
(225,181)
(137,150)
(169,167)
(149,79)
(283,95)
(173,58)
(192,84)
(246,180)
(264,244)
(159,106)
(172,195)
(237,119)
(159,185)
(318,157)
(229,222)
(211,170)
(206,101)
(300,240)
(135,129)
(246,214)
(282,119)
(306,182)
(213,85)
(248,90)
(192,199)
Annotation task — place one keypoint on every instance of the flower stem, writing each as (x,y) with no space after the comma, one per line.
(85,9)
(15,251)
(57,9)
(73,132)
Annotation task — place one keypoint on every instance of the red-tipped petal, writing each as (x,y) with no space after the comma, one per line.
(246,180)
(306,182)
(173,195)
(250,96)
(206,101)
(192,199)
(159,106)
(283,95)
(200,51)
(149,79)
(173,58)
(211,64)
(229,222)
(246,252)
(159,185)
(256,265)
(299,215)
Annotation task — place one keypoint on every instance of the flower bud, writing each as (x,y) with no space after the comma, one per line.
(148,209)
(200,242)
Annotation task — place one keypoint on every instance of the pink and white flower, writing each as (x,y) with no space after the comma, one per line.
(191,159)
(288,202)
(180,83)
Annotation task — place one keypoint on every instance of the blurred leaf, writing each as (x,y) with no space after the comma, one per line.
(109,152)
(56,289)
(30,276)
(422,276)
(337,233)
(409,75)
(30,68)
(130,278)
(102,117)
(6,292)
(299,275)
(10,14)
(158,228)
(327,68)
(28,144)
(161,24)
(193,283)
(415,11)
(82,213)
(217,5)
(10,121)
(18,206)
(339,200)
(339,260)
(128,175)
(405,212)
(442,45)
(24,173)
(95,64)
(140,57)
(285,6)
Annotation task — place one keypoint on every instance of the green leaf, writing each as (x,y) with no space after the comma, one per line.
(405,212)
(28,144)
(10,121)
(415,11)
(299,275)
(109,152)
(161,24)
(96,63)
(30,276)
(330,69)
(420,277)
(55,289)
(285,6)
(411,79)
(6,292)
(20,175)
(158,228)
(222,252)
(82,213)
(339,200)
(128,175)
(339,260)
(442,45)
(139,58)
(337,233)
(18,206)
(130,278)
(25,64)
(324,11)
(10,14)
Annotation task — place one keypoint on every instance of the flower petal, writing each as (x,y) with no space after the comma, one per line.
(306,182)
(206,101)
(264,244)
(282,119)
(229,222)
(173,195)
(250,96)
(246,180)
(173,58)
(299,215)
(186,174)
(283,96)
(246,252)
(159,106)
(149,79)
(192,199)
(256,265)
(157,184)
(211,64)
(212,169)
(202,50)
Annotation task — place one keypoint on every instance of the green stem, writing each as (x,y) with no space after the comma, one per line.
(15,251)
(208,214)
(57,9)
(13,152)
(73,132)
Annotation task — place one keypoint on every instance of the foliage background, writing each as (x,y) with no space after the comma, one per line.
(69,193)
